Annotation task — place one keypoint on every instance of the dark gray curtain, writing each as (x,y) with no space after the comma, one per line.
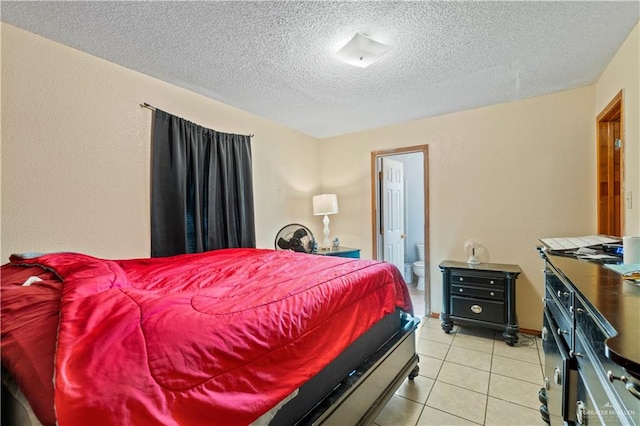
(201,189)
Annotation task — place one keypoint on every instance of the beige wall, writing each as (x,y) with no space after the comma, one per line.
(76,148)
(76,152)
(504,175)
(623,73)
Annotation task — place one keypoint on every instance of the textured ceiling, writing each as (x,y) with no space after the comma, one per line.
(274,58)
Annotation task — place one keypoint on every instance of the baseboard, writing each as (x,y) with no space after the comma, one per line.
(530,332)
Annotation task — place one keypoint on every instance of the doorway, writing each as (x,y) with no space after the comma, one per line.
(610,137)
(414,211)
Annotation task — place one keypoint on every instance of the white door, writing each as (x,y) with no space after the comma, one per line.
(392,210)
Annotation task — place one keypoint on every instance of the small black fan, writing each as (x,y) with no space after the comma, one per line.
(295,237)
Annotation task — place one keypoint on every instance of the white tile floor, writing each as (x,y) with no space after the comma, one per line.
(417,299)
(469,377)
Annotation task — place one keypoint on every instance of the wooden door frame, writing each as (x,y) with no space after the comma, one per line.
(613,112)
(424,149)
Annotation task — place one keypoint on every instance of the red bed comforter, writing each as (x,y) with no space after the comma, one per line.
(218,337)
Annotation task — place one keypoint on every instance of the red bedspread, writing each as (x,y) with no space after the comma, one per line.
(219,337)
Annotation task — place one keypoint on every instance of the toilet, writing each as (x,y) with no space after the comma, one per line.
(418,267)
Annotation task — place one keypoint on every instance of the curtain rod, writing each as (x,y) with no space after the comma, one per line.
(152,108)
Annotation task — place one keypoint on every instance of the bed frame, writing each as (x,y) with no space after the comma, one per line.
(15,408)
(356,386)
(352,390)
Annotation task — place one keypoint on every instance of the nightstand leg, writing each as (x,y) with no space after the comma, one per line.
(511,334)
(446,323)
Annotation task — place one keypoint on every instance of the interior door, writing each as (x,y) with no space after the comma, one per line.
(610,174)
(392,209)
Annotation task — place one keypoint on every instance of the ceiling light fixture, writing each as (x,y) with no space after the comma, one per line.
(362,51)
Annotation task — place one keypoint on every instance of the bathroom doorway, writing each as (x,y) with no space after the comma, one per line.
(415,218)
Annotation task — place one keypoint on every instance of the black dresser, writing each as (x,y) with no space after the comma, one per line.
(481,294)
(591,342)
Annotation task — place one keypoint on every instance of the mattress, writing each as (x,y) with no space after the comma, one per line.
(226,335)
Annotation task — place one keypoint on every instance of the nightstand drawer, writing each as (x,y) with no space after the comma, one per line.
(481,310)
(484,292)
(470,278)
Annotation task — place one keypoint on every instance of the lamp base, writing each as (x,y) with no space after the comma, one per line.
(326,244)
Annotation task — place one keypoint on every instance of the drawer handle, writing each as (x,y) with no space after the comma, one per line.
(492,293)
(476,309)
(575,354)
(612,378)
(491,282)
(461,291)
(557,376)
(561,294)
(630,385)
(561,332)
(461,279)
(581,413)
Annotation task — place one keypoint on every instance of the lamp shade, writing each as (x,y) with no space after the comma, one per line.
(325,204)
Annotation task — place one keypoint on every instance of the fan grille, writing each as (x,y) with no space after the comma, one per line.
(295,237)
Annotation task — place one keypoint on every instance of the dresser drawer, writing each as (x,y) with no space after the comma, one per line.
(615,401)
(563,320)
(608,403)
(558,289)
(476,309)
(467,277)
(483,292)
(560,373)
(585,410)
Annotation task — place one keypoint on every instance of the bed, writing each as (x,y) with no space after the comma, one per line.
(235,336)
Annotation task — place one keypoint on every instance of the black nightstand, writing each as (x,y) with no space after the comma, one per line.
(482,294)
(340,252)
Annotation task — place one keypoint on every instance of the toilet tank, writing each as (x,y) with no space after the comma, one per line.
(420,251)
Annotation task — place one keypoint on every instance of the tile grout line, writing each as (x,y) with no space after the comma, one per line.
(486,401)
(424,325)
(515,378)
(444,360)
(494,342)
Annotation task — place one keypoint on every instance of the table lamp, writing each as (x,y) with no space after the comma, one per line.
(325,204)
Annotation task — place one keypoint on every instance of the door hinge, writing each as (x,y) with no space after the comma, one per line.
(617,144)
(380,176)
